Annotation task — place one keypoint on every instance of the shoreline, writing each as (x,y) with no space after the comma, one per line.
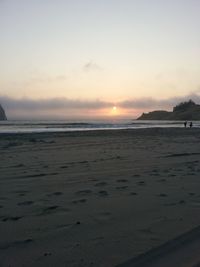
(62,127)
(105,130)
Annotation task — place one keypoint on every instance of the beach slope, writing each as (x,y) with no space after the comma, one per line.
(96,198)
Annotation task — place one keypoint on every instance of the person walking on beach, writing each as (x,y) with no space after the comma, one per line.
(185,124)
(191,124)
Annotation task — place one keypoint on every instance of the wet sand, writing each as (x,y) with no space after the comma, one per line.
(96,198)
(181,251)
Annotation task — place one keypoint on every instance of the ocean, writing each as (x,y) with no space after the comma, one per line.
(39,126)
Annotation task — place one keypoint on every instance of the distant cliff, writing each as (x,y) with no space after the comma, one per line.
(183,111)
(2,114)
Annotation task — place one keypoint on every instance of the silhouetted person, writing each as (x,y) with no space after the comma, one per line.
(185,124)
(191,124)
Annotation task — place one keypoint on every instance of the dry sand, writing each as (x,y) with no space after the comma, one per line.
(96,198)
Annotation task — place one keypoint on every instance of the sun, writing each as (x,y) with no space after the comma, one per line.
(114,111)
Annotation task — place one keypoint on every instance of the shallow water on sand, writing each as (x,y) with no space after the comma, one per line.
(14,126)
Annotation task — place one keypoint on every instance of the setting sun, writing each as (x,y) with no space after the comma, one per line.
(114,111)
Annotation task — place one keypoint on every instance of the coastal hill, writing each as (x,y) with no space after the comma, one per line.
(184,111)
(2,114)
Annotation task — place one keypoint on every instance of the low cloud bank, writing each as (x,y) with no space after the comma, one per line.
(26,107)
(152,103)
(52,103)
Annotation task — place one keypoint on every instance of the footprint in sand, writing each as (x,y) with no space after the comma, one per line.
(103,193)
(48,210)
(47,254)
(133,194)
(101,184)
(141,183)
(19,165)
(64,167)
(122,181)
(45,166)
(33,140)
(162,195)
(121,187)
(155,170)
(172,175)
(36,175)
(25,203)
(83,162)
(21,192)
(191,194)
(78,201)
(58,193)
(11,218)
(84,192)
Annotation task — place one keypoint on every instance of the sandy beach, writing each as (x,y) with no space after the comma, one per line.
(96,198)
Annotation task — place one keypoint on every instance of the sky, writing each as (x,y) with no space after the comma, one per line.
(80,58)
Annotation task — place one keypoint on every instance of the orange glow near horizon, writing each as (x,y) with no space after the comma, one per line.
(114,110)
(109,112)
(121,112)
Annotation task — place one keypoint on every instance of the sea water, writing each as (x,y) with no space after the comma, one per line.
(14,126)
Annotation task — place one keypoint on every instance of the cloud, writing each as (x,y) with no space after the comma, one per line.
(52,108)
(64,107)
(51,103)
(91,66)
(152,103)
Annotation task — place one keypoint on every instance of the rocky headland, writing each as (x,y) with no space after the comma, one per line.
(184,111)
(2,114)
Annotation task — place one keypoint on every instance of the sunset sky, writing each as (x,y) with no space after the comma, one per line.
(80,58)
